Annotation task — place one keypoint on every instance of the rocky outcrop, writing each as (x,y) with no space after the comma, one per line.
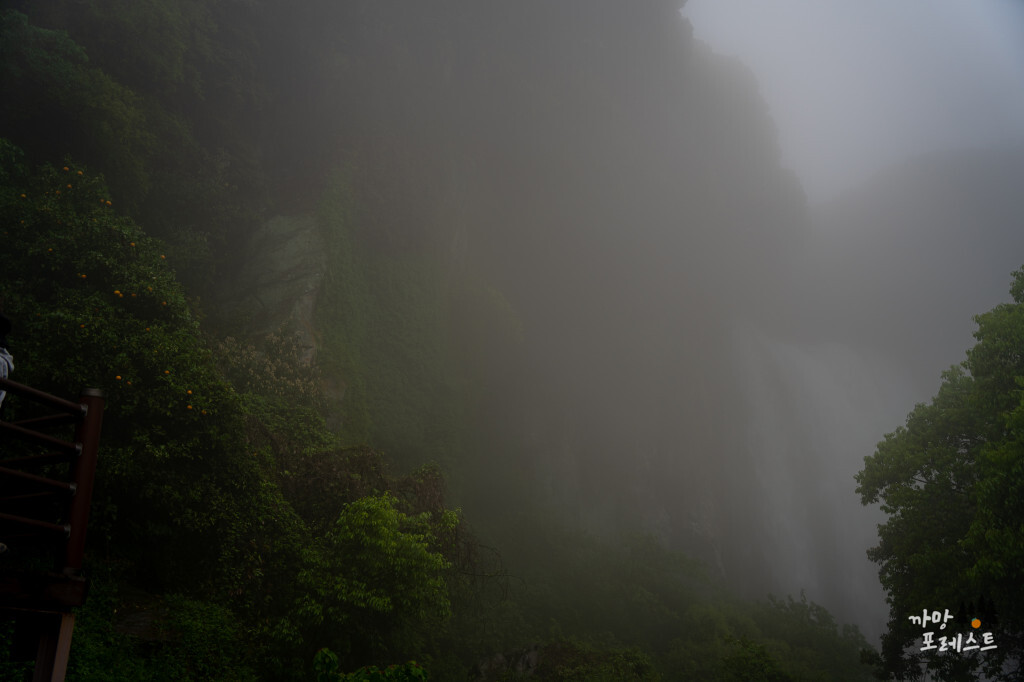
(279,281)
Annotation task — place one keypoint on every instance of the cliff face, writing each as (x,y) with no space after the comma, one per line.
(553,248)
(552,215)
(586,174)
(619,188)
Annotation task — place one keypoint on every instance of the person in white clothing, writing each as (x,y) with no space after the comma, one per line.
(6,360)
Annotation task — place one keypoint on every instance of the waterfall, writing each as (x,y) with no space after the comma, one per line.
(813,413)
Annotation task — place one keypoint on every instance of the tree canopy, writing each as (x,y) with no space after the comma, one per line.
(458,159)
(952,482)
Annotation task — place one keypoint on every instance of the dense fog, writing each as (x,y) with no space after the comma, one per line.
(855,88)
(905,125)
(619,268)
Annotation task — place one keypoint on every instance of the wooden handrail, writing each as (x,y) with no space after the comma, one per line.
(24,391)
(51,596)
(81,452)
(42,438)
(38,480)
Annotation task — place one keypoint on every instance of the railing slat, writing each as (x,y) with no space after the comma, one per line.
(47,494)
(24,391)
(29,434)
(48,420)
(64,528)
(38,480)
(32,460)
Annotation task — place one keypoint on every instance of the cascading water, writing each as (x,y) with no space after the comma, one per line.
(813,413)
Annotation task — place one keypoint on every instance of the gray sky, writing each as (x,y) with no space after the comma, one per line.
(855,86)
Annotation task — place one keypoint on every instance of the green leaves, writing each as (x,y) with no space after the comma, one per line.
(951,482)
(67,105)
(96,304)
(326,668)
(376,584)
(380,560)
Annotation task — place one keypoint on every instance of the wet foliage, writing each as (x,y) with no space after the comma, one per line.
(487,334)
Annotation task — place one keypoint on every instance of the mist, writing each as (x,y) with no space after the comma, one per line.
(726,241)
(589,271)
(854,89)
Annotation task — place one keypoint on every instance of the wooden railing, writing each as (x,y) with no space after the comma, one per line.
(38,507)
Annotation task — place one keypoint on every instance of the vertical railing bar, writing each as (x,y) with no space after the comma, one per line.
(83,471)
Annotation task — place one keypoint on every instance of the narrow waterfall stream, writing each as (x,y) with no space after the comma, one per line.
(814,412)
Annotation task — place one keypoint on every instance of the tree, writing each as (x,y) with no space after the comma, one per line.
(377,574)
(203,488)
(952,483)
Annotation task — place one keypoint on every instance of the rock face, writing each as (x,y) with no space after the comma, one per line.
(284,265)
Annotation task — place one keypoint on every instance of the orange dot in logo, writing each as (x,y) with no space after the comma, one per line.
(975,623)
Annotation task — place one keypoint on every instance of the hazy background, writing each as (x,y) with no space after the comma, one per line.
(876,105)
(610,266)
(857,86)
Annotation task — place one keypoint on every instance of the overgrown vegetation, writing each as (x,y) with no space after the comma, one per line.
(195,486)
(950,481)
(246,523)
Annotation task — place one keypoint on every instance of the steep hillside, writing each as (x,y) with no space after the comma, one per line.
(507,244)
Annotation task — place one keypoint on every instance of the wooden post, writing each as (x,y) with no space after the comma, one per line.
(54,631)
(83,471)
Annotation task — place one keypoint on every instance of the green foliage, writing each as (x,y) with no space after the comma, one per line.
(378,573)
(256,533)
(177,499)
(923,474)
(325,664)
(124,634)
(373,530)
(147,45)
(277,371)
(302,541)
(632,588)
(807,643)
(635,594)
(96,304)
(194,641)
(387,343)
(574,661)
(724,638)
(146,94)
(188,462)
(950,482)
(66,105)
(752,663)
